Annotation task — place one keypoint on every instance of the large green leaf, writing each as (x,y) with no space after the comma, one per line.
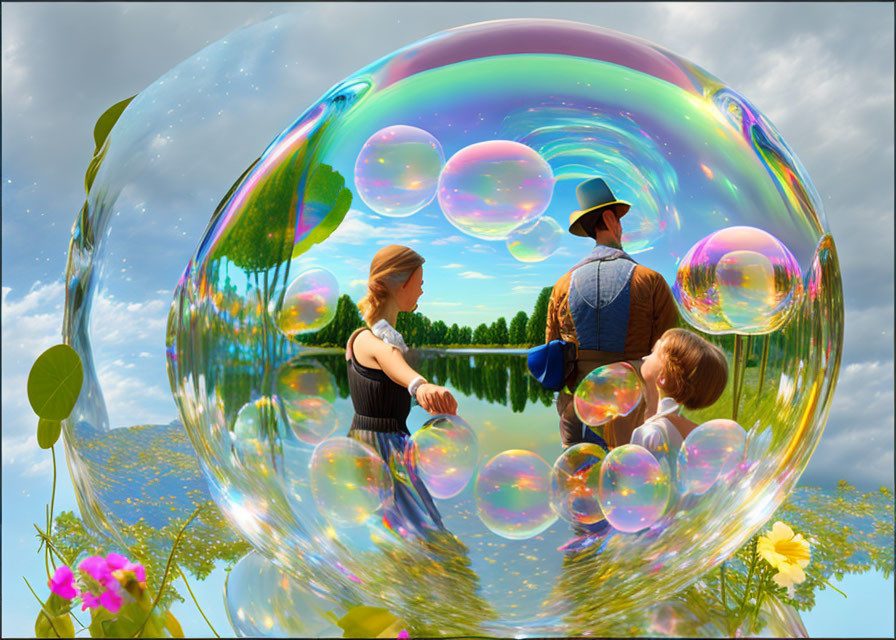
(48,432)
(54,382)
(369,622)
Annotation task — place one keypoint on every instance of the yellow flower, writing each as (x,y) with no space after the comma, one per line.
(781,547)
(789,575)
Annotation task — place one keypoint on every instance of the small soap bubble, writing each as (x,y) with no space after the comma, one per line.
(607,392)
(634,488)
(444,453)
(535,242)
(513,494)
(256,422)
(574,483)
(710,451)
(738,279)
(397,170)
(309,302)
(490,188)
(349,480)
(307,392)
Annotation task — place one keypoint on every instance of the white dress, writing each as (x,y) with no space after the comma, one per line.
(659,436)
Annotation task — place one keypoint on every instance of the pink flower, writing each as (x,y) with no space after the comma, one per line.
(118,563)
(110,601)
(63,583)
(96,568)
(89,601)
(403,635)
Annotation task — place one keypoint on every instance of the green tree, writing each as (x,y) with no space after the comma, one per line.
(517,332)
(439,333)
(499,331)
(453,334)
(466,335)
(481,335)
(535,328)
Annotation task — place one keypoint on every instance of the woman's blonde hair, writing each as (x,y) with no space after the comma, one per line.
(390,267)
(694,371)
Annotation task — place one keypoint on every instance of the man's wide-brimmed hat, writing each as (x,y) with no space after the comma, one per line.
(593,195)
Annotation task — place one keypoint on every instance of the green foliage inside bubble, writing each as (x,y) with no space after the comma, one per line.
(48,432)
(54,382)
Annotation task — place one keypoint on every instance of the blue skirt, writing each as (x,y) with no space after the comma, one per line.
(412,508)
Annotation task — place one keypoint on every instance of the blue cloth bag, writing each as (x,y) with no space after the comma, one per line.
(546,364)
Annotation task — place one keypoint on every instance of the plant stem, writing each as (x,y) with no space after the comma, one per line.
(753,558)
(763,363)
(186,584)
(167,569)
(739,360)
(52,546)
(835,588)
(724,598)
(44,609)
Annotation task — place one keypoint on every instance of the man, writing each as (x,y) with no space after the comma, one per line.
(610,307)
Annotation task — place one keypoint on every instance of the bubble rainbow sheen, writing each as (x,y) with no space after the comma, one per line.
(691,155)
(309,302)
(535,242)
(634,489)
(307,392)
(443,453)
(738,280)
(575,479)
(490,188)
(513,494)
(607,392)
(397,170)
(710,452)
(349,480)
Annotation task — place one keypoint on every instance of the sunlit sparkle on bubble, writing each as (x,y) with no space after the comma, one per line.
(489,188)
(607,392)
(574,483)
(634,488)
(738,280)
(309,302)
(710,451)
(513,494)
(535,242)
(397,170)
(444,453)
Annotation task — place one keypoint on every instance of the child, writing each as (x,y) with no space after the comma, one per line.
(683,369)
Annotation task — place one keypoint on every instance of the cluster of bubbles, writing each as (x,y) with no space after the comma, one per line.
(518,494)
(691,155)
(738,280)
(493,190)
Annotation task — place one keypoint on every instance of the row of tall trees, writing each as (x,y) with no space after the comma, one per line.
(419,331)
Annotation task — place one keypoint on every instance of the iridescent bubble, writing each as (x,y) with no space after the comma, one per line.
(490,188)
(513,494)
(397,170)
(607,392)
(309,302)
(634,488)
(444,453)
(739,279)
(349,480)
(263,601)
(710,451)
(535,242)
(574,483)
(307,392)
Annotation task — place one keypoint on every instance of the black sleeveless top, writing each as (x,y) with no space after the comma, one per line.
(380,404)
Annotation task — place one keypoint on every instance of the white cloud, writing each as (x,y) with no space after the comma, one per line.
(444,304)
(526,289)
(453,265)
(354,231)
(448,240)
(360,282)
(475,275)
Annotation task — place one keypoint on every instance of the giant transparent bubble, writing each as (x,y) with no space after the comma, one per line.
(220,169)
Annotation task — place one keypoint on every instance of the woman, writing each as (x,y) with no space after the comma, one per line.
(383,385)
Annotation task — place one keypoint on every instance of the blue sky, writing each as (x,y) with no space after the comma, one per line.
(822,73)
